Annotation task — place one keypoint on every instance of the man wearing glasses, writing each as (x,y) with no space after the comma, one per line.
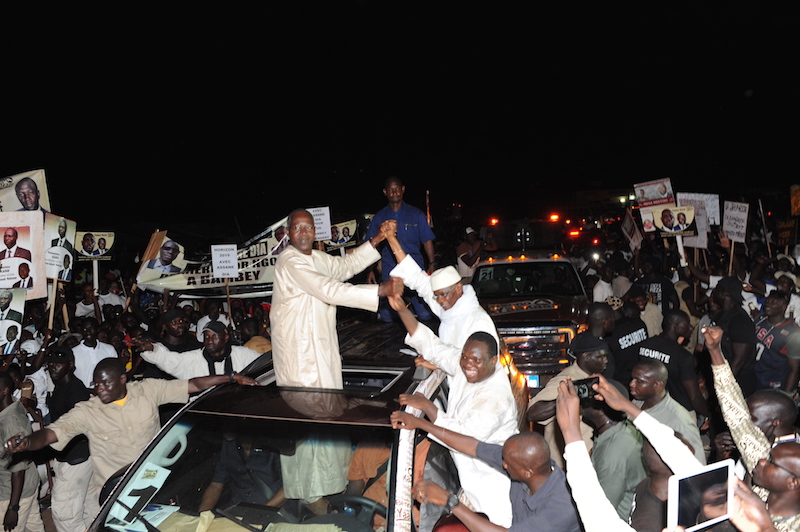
(308,286)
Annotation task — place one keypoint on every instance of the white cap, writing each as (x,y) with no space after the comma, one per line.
(444,277)
(790,275)
(470,230)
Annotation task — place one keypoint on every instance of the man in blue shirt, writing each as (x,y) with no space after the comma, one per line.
(540,499)
(414,235)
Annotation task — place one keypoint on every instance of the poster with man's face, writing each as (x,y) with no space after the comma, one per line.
(675,221)
(12,310)
(94,245)
(22,253)
(59,238)
(162,257)
(24,192)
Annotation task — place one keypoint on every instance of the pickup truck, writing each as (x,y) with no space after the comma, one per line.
(538,305)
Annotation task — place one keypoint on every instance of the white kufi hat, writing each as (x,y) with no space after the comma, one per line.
(444,277)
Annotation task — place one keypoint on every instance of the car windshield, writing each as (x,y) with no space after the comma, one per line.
(526,279)
(237,467)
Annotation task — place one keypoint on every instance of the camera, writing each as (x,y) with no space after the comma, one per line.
(583,387)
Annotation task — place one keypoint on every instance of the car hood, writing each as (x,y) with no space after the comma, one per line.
(539,309)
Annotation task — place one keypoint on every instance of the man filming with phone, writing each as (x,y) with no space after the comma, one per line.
(591,357)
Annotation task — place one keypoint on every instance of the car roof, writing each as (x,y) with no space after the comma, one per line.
(360,405)
(375,372)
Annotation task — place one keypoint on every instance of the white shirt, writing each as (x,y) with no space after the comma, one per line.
(111,299)
(86,358)
(485,410)
(602,289)
(191,364)
(596,512)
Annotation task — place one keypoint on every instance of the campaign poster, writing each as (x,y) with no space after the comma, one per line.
(94,245)
(22,253)
(675,221)
(162,258)
(24,192)
(12,310)
(343,236)
(59,238)
(652,194)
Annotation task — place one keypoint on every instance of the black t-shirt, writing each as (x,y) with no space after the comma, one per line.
(661,291)
(738,328)
(624,344)
(60,402)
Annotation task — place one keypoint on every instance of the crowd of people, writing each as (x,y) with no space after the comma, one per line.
(697,360)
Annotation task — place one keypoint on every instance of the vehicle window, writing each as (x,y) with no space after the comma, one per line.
(243,470)
(526,279)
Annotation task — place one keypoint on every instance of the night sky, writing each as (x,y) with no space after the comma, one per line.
(216,114)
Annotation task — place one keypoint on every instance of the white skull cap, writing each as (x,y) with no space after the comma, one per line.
(444,277)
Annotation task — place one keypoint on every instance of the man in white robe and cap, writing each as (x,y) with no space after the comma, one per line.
(454,303)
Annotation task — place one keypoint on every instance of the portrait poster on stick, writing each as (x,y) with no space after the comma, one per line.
(59,237)
(94,245)
(22,262)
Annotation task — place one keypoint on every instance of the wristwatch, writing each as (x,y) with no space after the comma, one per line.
(231,376)
(452,502)
(13,507)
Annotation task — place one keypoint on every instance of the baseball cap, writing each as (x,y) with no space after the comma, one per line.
(214,326)
(586,342)
(171,314)
(60,353)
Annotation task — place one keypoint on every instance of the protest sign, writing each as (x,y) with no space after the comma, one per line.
(708,203)
(322,223)
(224,261)
(22,260)
(24,192)
(734,221)
(703,205)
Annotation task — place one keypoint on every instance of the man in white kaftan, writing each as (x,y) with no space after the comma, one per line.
(308,286)
(481,404)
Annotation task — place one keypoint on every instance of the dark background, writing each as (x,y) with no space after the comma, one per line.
(227,118)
